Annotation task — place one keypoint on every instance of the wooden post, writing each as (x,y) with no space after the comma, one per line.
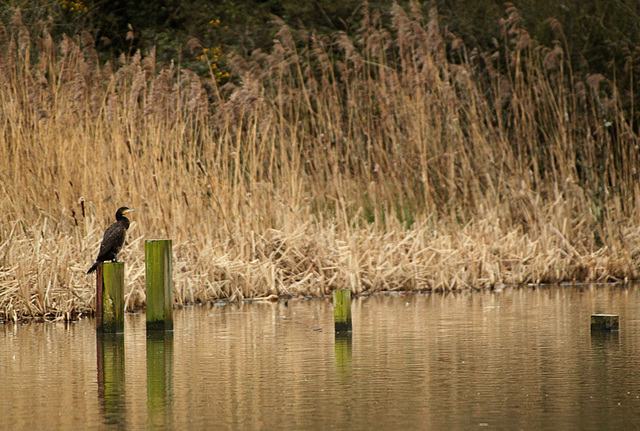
(342,310)
(98,298)
(604,322)
(159,284)
(110,297)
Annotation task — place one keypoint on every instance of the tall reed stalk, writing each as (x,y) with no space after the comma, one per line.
(393,159)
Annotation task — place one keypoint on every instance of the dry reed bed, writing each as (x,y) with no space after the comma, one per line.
(391,160)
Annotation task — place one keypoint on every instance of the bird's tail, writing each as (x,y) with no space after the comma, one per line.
(93,268)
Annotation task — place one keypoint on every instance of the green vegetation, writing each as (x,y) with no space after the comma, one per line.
(380,152)
(598,37)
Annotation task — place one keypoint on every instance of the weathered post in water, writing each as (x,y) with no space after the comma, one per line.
(110,297)
(159,284)
(342,310)
(605,322)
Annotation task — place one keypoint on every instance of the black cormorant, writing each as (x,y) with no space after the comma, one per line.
(113,239)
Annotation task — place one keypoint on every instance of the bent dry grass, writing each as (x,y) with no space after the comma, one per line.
(392,160)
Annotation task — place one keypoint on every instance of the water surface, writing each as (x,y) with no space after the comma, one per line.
(514,359)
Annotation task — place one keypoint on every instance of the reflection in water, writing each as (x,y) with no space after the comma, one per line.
(111,382)
(160,379)
(605,341)
(342,348)
(515,359)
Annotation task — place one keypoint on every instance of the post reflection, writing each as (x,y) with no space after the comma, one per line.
(160,379)
(605,340)
(342,348)
(111,389)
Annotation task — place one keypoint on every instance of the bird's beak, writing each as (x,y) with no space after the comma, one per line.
(129,210)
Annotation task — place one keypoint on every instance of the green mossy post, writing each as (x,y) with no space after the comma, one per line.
(110,297)
(159,284)
(605,322)
(342,310)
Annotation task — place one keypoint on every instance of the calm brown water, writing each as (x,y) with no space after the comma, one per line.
(516,359)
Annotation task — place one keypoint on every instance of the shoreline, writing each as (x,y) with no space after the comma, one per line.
(272,299)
